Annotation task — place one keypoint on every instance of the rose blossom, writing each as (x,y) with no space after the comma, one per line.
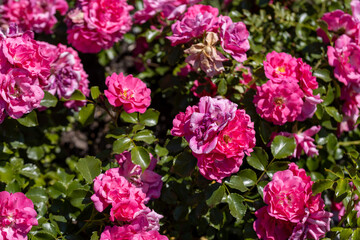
(19,92)
(279,102)
(205,122)
(149,181)
(206,56)
(340,22)
(36,15)
(147,220)
(280,66)
(234,38)
(17,216)
(125,198)
(197,20)
(129,92)
(130,232)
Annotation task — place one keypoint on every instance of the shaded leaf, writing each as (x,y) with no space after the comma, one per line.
(89,167)
(282,147)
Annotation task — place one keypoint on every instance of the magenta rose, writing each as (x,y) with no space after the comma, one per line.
(17,216)
(234,38)
(280,66)
(129,92)
(130,232)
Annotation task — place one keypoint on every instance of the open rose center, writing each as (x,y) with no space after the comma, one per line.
(280,69)
(279,101)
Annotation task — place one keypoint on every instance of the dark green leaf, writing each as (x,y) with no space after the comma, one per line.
(161,151)
(35,153)
(282,147)
(236,182)
(89,167)
(77,95)
(77,198)
(184,164)
(329,98)
(30,170)
(356,234)
(122,144)
(356,183)
(129,117)
(216,197)
(342,187)
(145,136)
(37,195)
(150,117)
(322,185)
(236,206)
(333,112)
(323,74)
(95,92)
(258,159)
(86,114)
(49,100)
(140,156)
(222,87)
(248,177)
(29,120)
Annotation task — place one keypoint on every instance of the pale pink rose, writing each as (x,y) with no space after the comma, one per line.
(234,38)
(280,102)
(20,92)
(147,220)
(129,92)
(237,137)
(216,166)
(270,228)
(35,15)
(204,88)
(206,56)
(280,66)
(130,232)
(345,58)
(204,125)
(196,21)
(149,181)
(17,216)
(125,198)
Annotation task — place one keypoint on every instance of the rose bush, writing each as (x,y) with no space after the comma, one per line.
(179,119)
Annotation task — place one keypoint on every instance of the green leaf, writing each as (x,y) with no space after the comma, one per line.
(122,144)
(49,100)
(77,95)
(341,187)
(282,147)
(129,117)
(258,159)
(323,74)
(145,136)
(236,182)
(346,233)
(95,92)
(150,117)
(77,198)
(94,236)
(30,170)
(161,151)
(322,185)
(150,35)
(236,206)
(329,98)
(86,114)
(184,164)
(356,183)
(37,195)
(140,156)
(356,234)
(222,87)
(216,197)
(89,167)
(333,112)
(35,153)
(29,120)
(248,177)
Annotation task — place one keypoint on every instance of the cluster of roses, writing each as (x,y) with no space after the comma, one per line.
(344,57)
(219,135)
(168,9)
(202,19)
(35,15)
(127,189)
(29,67)
(94,25)
(292,212)
(17,216)
(288,95)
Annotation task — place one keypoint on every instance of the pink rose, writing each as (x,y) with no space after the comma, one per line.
(279,102)
(234,38)
(129,92)
(181,122)
(17,216)
(130,232)
(125,198)
(197,20)
(147,220)
(204,88)
(306,80)
(280,66)
(20,92)
(340,22)
(149,181)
